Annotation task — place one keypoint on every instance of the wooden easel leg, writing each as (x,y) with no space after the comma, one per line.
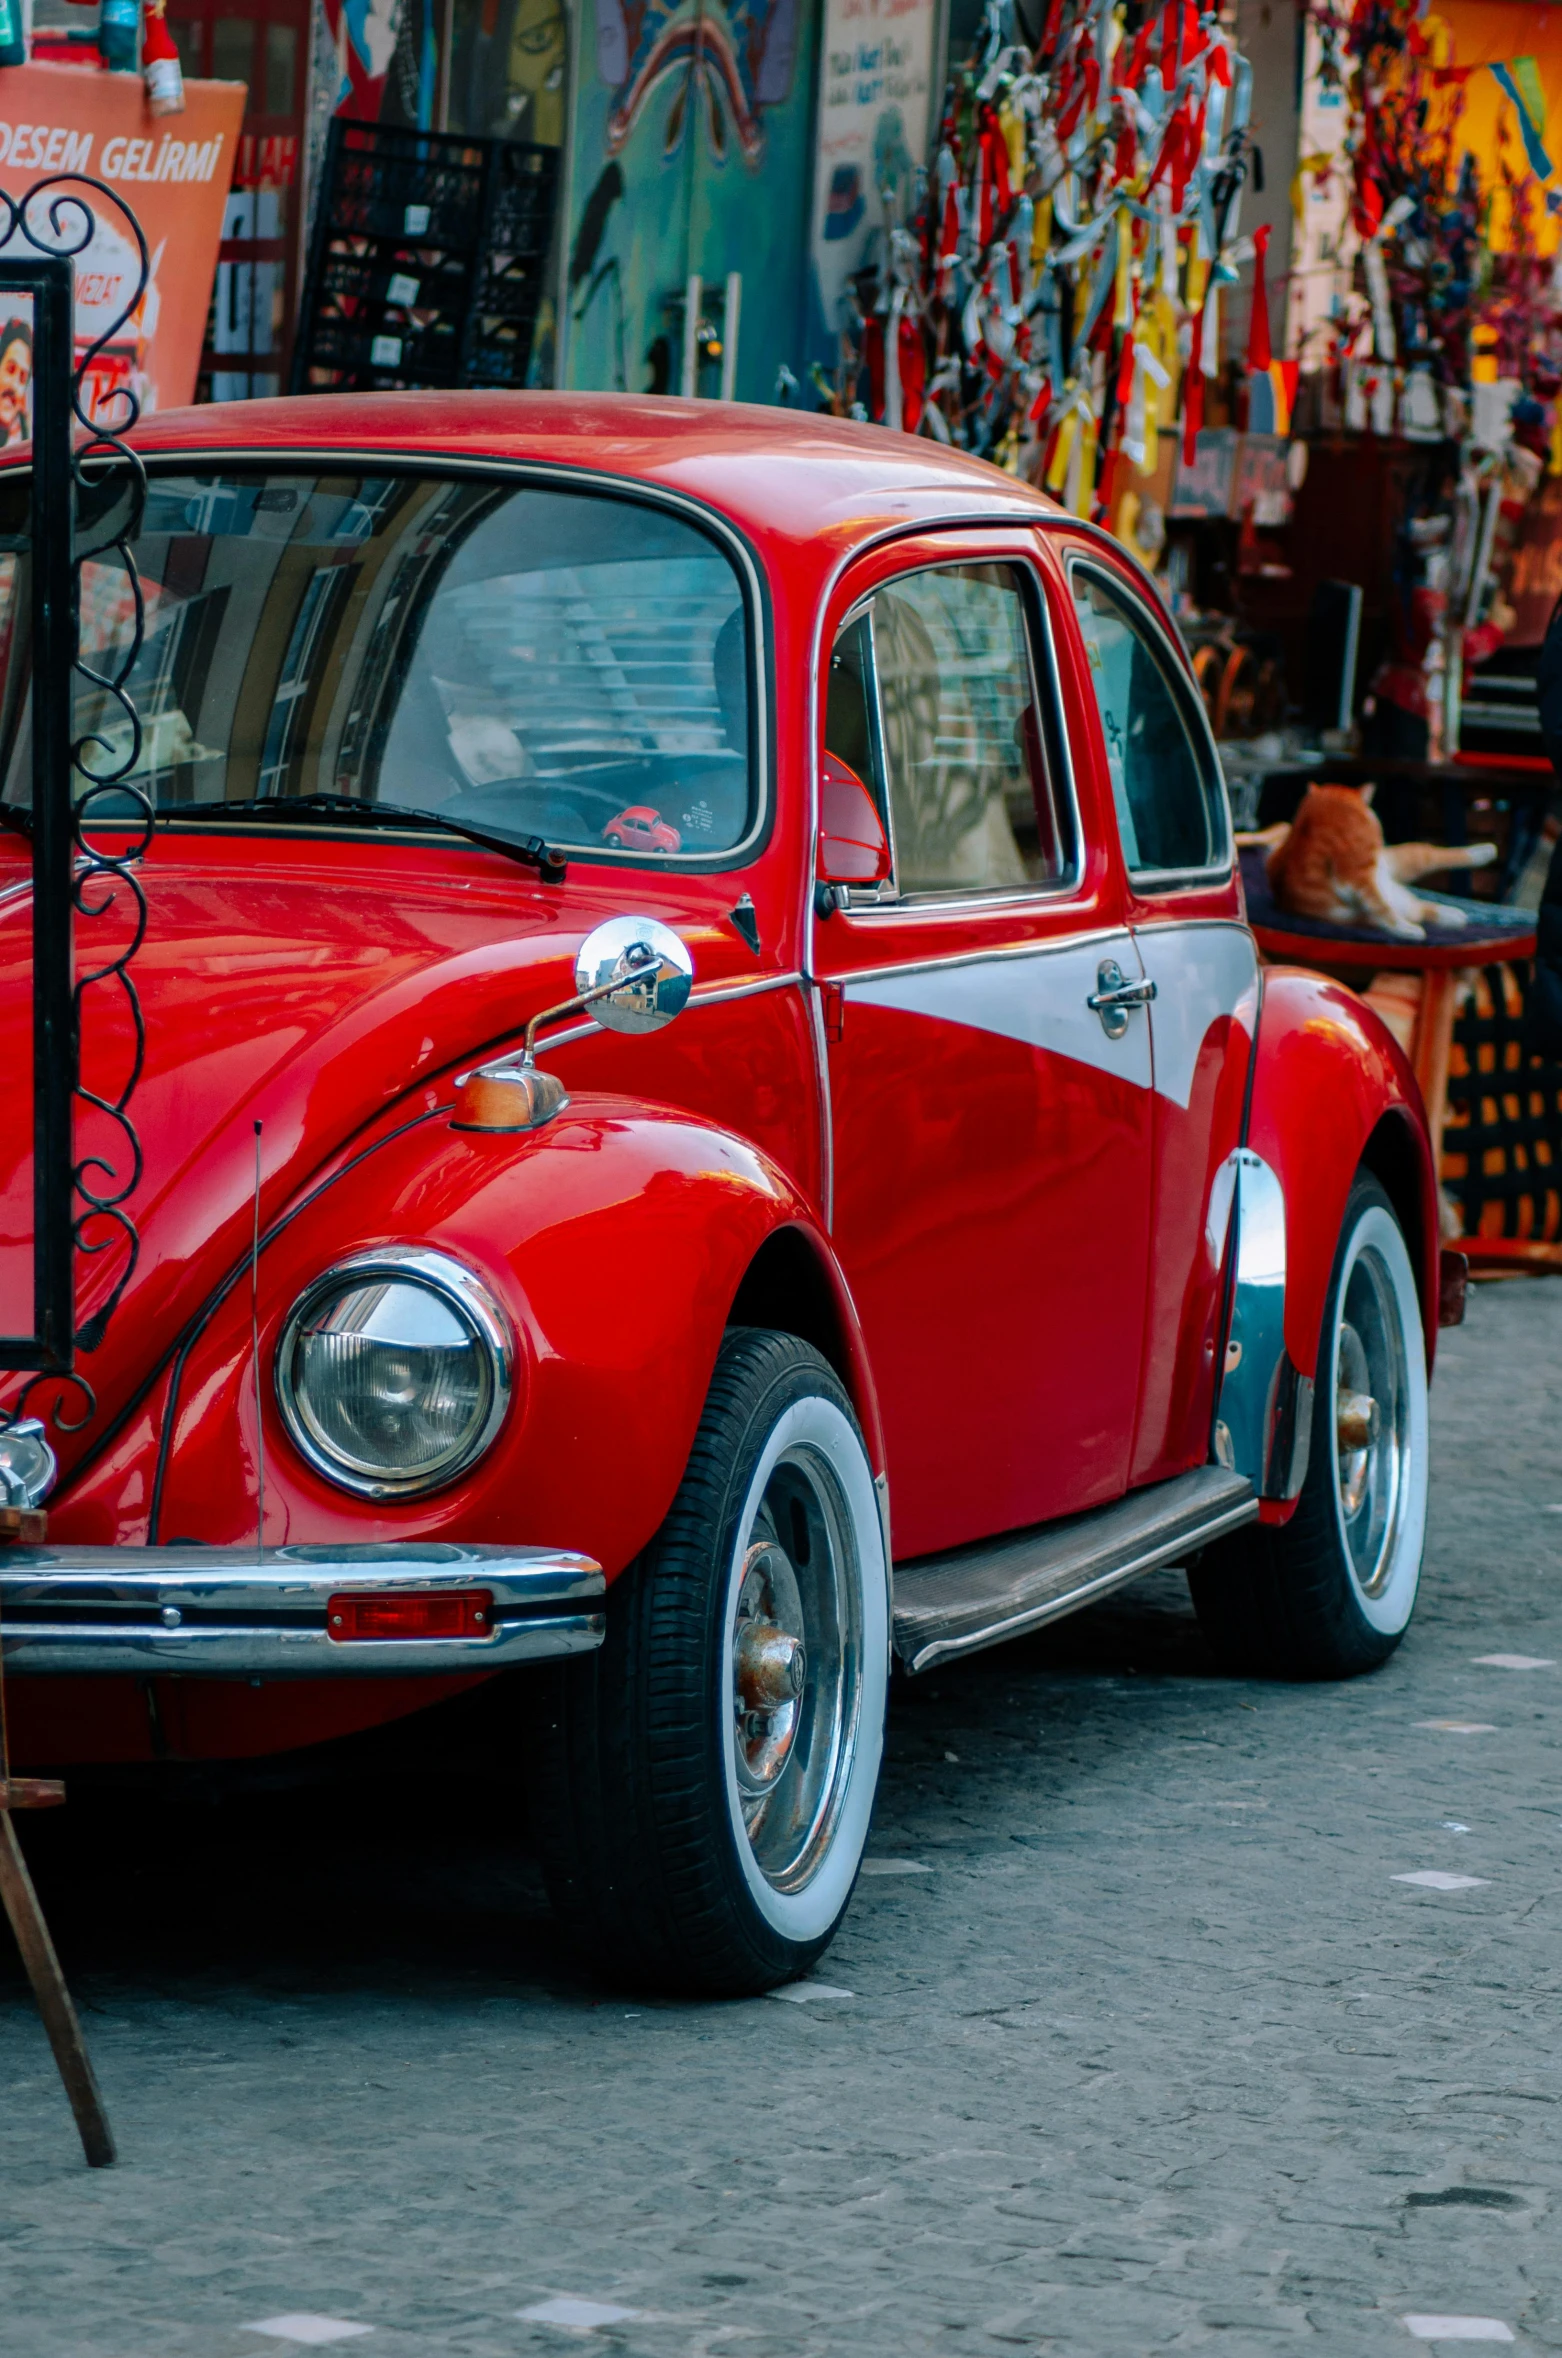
(54,2000)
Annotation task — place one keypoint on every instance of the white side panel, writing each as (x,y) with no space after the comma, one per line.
(1036,998)
(1200,972)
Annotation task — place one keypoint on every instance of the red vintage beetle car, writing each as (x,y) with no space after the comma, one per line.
(644,1250)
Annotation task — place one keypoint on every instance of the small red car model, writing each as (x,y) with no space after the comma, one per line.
(641,830)
(912,1166)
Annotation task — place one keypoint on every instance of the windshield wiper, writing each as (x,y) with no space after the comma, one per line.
(530,850)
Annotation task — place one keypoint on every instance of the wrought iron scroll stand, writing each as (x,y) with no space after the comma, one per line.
(88,491)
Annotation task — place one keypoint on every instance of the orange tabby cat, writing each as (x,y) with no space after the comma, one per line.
(1332,862)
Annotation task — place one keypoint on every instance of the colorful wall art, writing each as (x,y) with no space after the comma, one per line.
(691,129)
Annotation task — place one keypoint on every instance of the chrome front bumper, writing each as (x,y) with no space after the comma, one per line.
(261,1613)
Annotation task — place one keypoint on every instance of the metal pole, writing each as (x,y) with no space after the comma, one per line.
(447,59)
(54,639)
(731,313)
(693,297)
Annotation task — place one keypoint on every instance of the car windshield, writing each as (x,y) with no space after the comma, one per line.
(555,663)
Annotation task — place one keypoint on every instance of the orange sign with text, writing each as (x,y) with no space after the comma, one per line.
(173,171)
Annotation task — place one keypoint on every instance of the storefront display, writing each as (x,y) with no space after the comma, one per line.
(173,174)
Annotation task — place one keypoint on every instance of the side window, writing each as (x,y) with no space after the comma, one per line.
(1170,803)
(962,732)
(850,727)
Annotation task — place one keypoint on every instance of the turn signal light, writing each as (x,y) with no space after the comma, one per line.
(425,1613)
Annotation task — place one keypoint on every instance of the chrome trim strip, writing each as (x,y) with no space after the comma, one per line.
(1176,656)
(708,994)
(996,1589)
(1172,923)
(814,996)
(1047,684)
(1047,946)
(239,1612)
(910,528)
(1015,900)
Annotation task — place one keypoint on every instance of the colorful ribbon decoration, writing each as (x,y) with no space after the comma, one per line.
(1077,224)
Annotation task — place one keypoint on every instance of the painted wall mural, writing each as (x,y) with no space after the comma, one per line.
(691,152)
(739,59)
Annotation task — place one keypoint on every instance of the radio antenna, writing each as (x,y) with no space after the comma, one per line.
(254,1336)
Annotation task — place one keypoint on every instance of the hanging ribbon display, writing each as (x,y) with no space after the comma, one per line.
(1080,214)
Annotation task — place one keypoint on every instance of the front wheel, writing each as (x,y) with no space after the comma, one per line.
(1331,1592)
(703,1784)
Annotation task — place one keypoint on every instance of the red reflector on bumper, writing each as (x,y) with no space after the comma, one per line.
(419,1613)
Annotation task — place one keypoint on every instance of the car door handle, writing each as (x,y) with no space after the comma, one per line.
(1114,995)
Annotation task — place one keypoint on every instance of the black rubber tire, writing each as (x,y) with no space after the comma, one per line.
(1279,1601)
(626,1770)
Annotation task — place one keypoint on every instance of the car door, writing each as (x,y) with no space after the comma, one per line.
(990,1129)
(1185,911)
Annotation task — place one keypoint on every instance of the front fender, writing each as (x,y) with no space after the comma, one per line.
(1332,1090)
(616,1240)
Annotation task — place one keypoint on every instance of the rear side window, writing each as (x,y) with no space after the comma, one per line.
(559,663)
(1171,809)
(934,700)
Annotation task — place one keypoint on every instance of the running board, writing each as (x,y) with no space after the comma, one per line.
(977,1596)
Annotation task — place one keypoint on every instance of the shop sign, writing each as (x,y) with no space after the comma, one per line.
(174,177)
(875,109)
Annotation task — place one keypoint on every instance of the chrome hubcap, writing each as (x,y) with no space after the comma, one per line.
(795,1648)
(1372,1409)
(769,1669)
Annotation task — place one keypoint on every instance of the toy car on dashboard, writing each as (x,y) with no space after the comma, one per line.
(661,1229)
(641,830)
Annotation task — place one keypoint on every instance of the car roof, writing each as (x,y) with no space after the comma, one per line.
(787,472)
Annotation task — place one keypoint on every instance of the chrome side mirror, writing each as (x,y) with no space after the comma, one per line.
(630,990)
(632,974)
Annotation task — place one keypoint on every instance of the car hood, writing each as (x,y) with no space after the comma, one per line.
(307,986)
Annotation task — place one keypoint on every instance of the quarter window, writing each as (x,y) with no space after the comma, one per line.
(955,742)
(1170,804)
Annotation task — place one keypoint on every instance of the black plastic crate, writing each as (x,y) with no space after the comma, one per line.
(390,182)
(395,287)
(431,244)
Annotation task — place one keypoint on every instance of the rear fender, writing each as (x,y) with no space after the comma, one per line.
(620,1241)
(1332,1094)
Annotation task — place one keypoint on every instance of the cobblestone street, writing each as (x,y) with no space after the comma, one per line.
(1137,2038)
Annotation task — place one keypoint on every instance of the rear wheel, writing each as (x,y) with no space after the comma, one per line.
(1331,1592)
(704,1782)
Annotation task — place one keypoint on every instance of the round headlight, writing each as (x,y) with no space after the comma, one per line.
(393,1372)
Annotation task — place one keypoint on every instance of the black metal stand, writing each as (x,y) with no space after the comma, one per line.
(86,491)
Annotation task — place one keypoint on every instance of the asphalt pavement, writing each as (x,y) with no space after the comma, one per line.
(1137,2038)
